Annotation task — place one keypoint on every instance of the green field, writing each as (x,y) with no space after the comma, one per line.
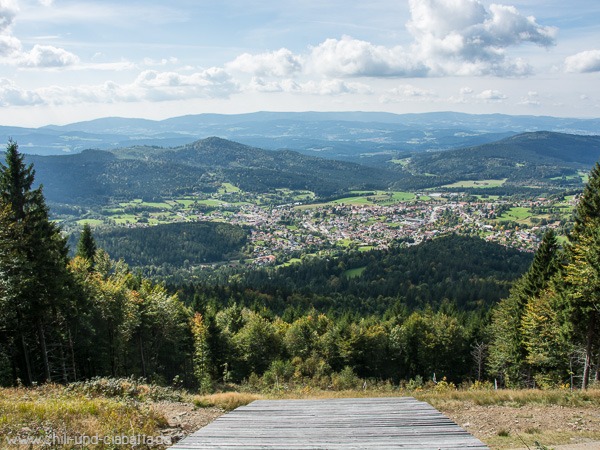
(476,184)
(90,222)
(517,214)
(354,273)
(227,188)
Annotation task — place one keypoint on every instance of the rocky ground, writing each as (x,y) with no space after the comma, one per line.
(184,418)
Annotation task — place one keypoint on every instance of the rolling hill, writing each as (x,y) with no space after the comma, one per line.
(95,176)
(539,158)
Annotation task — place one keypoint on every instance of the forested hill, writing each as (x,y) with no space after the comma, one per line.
(94,176)
(530,157)
(466,272)
(175,244)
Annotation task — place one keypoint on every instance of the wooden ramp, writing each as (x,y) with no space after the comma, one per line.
(352,423)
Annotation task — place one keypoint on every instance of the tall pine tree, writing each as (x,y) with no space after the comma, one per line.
(36,268)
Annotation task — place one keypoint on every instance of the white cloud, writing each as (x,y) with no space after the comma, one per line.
(451,37)
(8,12)
(586,61)
(48,56)
(349,57)
(46,2)
(491,95)
(279,63)
(210,83)
(160,62)
(531,99)
(408,92)
(12,95)
(320,87)
(462,37)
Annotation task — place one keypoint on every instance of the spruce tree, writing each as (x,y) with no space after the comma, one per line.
(36,267)
(86,247)
(582,276)
(508,352)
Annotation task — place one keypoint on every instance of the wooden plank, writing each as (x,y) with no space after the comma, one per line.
(358,423)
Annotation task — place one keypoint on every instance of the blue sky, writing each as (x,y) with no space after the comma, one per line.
(65,61)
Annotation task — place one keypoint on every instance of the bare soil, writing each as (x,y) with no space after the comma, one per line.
(505,427)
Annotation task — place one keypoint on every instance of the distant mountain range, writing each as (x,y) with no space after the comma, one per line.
(366,137)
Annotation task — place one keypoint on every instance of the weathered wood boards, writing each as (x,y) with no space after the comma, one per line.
(357,423)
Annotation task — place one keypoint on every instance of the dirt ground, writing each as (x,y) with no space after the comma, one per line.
(503,427)
(184,418)
(500,427)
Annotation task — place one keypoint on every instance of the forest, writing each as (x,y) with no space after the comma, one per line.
(450,309)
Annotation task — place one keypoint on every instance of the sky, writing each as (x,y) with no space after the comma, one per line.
(64,61)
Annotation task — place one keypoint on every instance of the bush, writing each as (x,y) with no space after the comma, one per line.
(345,379)
(415,383)
(124,388)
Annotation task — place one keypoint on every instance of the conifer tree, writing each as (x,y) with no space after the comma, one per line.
(86,247)
(582,278)
(37,264)
(508,352)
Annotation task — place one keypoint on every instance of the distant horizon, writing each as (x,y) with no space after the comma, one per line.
(250,113)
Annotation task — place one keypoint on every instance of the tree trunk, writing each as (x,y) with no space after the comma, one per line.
(72,354)
(42,338)
(588,353)
(26,359)
(142,355)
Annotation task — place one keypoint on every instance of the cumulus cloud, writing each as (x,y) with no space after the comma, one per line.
(491,95)
(149,85)
(451,37)
(8,12)
(13,95)
(210,83)
(586,61)
(48,56)
(280,63)
(462,37)
(352,57)
(40,56)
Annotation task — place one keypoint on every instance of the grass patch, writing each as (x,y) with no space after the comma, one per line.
(517,214)
(351,201)
(354,273)
(90,222)
(56,410)
(476,183)
(227,188)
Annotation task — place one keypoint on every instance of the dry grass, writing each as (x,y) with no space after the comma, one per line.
(513,398)
(52,410)
(225,400)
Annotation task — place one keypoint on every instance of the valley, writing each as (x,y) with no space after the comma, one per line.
(286,224)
